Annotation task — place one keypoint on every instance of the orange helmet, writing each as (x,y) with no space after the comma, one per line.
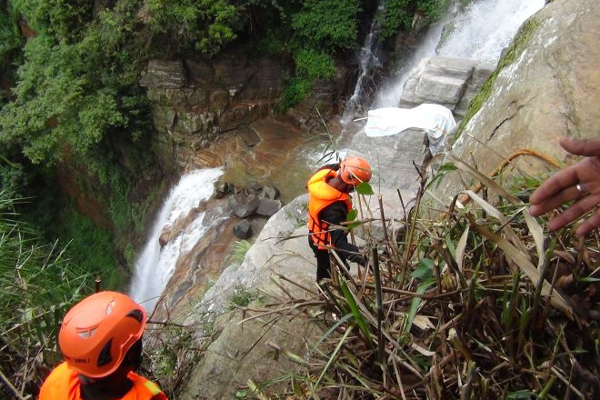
(96,333)
(355,170)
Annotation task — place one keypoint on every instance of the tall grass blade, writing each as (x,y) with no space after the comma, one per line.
(358,318)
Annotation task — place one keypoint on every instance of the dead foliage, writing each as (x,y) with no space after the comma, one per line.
(476,303)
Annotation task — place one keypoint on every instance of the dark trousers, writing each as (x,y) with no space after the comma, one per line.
(323,264)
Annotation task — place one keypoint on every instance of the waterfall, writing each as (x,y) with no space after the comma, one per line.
(485,28)
(480,31)
(367,60)
(155,265)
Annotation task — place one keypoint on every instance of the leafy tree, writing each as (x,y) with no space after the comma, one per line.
(208,24)
(10,37)
(64,20)
(56,107)
(327,24)
(398,14)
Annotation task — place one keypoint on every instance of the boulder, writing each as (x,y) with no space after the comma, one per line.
(243,229)
(222,188)
(257,187)
(164,237)
(245,206)
(242,351)
(269,192)
(447,81)
(268,207)
(393,158)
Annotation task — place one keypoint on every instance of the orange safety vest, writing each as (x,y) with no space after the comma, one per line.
(321,195)
(63,384)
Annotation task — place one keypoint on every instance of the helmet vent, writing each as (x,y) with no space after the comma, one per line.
(109,308)
(136,314)
(105,357)
(87,333)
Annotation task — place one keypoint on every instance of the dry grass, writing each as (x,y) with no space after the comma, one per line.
(475,304)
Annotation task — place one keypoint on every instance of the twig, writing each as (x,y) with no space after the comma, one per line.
(10,386)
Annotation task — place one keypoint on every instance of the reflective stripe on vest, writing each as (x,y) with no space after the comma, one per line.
(152,387)
(63,384)
(321,195)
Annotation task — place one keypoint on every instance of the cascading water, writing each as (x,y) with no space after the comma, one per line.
(480,31)
(485,28)
(367,60)
(155,265)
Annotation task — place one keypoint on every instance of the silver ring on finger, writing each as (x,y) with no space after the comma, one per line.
(581,188)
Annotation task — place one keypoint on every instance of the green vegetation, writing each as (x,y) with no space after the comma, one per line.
(240,248)
(37,286)
(10,37)
(398,14)
(243,296)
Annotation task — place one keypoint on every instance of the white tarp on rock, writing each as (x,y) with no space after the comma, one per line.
(436,120)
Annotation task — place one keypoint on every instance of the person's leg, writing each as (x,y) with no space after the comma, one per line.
(323,264)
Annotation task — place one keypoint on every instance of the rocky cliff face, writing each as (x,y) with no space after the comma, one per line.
(196,103)
(546,86)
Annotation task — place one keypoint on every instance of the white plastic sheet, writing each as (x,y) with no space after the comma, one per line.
(436,120)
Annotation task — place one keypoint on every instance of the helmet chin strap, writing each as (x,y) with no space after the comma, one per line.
(86,380)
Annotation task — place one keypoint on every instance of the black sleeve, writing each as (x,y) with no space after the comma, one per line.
(336,214)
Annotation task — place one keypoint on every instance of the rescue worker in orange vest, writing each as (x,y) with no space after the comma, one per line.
(101,341)
(328,204)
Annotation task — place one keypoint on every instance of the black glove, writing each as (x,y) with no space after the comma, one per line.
(360,260)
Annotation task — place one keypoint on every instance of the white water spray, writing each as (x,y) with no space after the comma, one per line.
(154,266)
(481,32)
(486,27)
(367,61)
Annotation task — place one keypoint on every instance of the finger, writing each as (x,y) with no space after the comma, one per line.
(568,194)
(589,224)
(588,148)
(573,212)
(560,181)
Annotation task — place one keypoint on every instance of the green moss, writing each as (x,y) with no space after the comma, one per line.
(515,49)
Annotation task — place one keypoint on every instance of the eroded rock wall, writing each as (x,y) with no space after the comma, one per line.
(547,86)
(195,103)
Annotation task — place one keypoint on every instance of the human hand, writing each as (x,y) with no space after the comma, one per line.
(360,260)
(580,182)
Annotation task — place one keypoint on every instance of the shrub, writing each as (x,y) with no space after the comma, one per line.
(327,24)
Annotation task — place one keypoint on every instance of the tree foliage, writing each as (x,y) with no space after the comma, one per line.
(327,24)
(207,24)
(398,14)
(64,20)
(10,37)
(57,107)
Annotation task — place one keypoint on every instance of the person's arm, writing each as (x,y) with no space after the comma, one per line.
(336,214)
(580,182)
